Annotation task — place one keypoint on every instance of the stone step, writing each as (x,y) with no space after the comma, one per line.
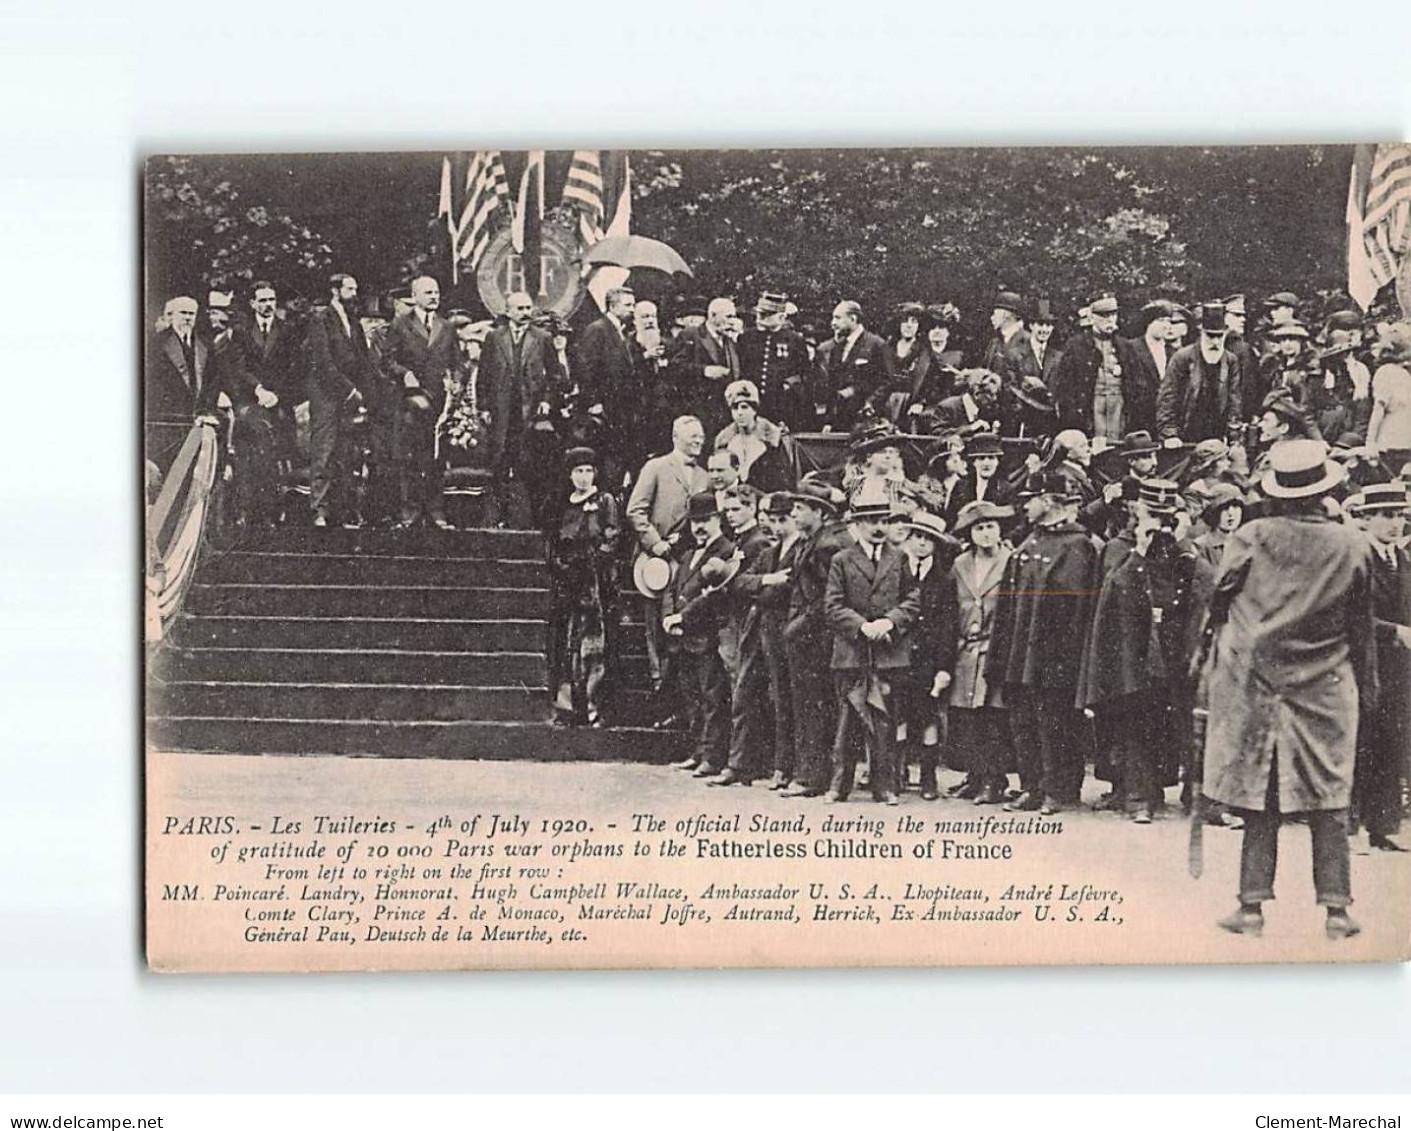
(435,601)
(421,541)
(359,665)
(528,741)
(376,569)
(417,634)
(345,701)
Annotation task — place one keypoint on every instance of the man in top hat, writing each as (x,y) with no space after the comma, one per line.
(1101,387)
(1200,397)
(341,376)
(419,356)
(852,367)
(775,357)
(657,512)
(1046,354)
(1041,623)
(1011,350)
(1293,661)
(693,611)
(871,603)
(982,481)
(1384,734)
(807,638)
(1144,632)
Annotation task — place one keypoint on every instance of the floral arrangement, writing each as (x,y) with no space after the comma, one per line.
(465,424)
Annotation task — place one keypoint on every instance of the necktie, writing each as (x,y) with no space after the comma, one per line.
(426,321)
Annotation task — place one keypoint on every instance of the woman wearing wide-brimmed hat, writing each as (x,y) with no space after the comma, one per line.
(1291,664)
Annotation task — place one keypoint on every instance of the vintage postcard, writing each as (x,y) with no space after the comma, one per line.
(582,559)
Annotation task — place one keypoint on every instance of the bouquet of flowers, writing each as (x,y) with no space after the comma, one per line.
(464,423)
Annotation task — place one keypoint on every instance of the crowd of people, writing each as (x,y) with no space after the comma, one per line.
(866,555)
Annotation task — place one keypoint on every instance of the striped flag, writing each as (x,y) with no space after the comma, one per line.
(583,189)
(1378,218)
(486,190)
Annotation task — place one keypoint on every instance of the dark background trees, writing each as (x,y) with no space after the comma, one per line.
(876,225)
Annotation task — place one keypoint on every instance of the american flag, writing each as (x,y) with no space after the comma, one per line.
(583,189)
(1378,218)
(486,189)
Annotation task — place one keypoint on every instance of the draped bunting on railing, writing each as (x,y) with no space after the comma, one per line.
(174,527)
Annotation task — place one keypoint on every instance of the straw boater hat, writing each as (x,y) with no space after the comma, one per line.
(922,522)
(981,510)
(1379,497)
(652,575)
(1300,469)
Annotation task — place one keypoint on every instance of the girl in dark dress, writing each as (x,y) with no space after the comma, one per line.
(583,629)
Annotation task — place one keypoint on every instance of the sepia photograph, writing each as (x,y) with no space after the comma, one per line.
(776,557)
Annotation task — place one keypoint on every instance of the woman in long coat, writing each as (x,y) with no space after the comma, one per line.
(1292,661)
(582,559)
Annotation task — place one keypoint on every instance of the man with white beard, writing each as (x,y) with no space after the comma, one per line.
(1200,397)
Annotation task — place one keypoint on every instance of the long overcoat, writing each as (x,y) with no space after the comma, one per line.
(1292,661)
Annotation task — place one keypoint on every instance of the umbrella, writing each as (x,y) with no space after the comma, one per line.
(635,252)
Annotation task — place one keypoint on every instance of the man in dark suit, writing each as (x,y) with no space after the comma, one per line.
(262,374)
(704,361)
(775,357)
(693,610)
(340,378)
(853,369)
(1101,387)
(982,481)
(975,407)
(514,369)
(1046,354)
(871,603)
(604,369)
(1011,351)
(418,355)
(930,552)
(180,369)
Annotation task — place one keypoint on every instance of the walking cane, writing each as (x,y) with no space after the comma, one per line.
(1195,849)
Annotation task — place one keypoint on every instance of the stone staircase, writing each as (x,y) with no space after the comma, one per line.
(393,644)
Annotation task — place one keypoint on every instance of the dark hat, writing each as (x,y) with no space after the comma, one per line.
(1282,298)
(1299,469)
(1179,313)
(580,457)
(1217,496)
(1051,482)
(983,444)
(780,505)
(870,435)
(1104,302)
(1290,329)
(772,302)
(981,510)
(717,572)
(1346,442)
(1035,394)
(1156,308)
(1138,444)
(1159,495)
(1379,497)
(1212,318)
(1235,304)
(1009,300)
(1342,320)
(936,465)
(818,495)
(689,305)
(910,310)
(702,505)
(1282,405)
(458,312)
(942,314)
(1043,312)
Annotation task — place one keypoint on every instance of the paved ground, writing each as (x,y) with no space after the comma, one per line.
(1167,915)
